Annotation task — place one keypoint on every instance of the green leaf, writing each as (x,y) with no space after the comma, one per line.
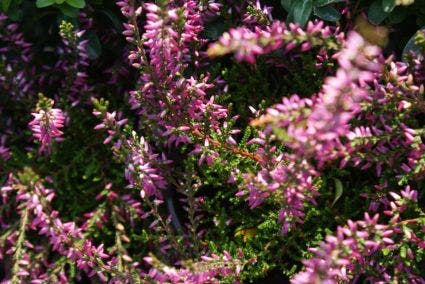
(327,13)
(94,47)
(321,3)
(76,3)
(280,133)
(213,30)
(15,14)
(290,18)
(388,5)
(14,10)
(44,3)
(5,5)
(59,1)
(302,11)
(386,251)
(403,251)
(339,189)
(90,170)
(407,232)
(420,21)
(113,18)
(286,4)
(411,46)
(397,16)
(376,13)
(69,11)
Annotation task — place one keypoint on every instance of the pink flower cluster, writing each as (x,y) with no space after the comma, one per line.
(315,129)
(16,76)
(46,127)
(392,135)
(247,44)
(140,160)
(16,55)
(204,271)
(162,53)
(367,114)
(65,238)
(140,173)
(315,126)
(256,14)
(74,60)
(4,150)
(287,175)
(355,250)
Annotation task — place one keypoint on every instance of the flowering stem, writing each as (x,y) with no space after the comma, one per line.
(235,150)
(166,228)
(118,242)
(18,250)
(409,221)
(190,192)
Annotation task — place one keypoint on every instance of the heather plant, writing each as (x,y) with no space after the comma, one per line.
(184,141)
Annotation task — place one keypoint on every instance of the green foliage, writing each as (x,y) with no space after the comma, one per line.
(44,3)
(94,48)
(388,5)
(5,5)
(66,6)
(66,30)
(377,13)
(327,13)
(420,41)
(75,3)
(298,76)
(43,102)
(301,11)
(339,189)
(81,166)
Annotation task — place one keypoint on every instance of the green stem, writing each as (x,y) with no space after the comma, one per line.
(19,248)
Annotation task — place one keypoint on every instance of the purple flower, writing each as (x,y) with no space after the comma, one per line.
(355,250)
(46,127)
(247,43)
(141,172)
(314,129)
(4,151)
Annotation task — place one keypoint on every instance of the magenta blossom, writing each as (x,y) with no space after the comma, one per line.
(46,127)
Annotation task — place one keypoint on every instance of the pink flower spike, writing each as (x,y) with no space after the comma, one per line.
(46,127)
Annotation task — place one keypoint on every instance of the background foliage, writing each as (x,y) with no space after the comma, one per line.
(86,175)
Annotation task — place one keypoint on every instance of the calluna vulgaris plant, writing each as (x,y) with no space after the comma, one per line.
(184,141)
